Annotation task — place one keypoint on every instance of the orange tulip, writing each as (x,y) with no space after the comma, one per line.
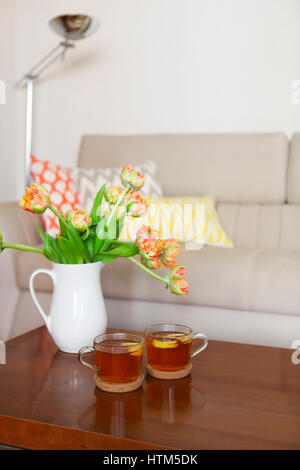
(153,263)
(178,272)
(179,287)
(170,252)
(148,243)
(112,194)
(136,205)
(79,219)
(36,199)
(132,177)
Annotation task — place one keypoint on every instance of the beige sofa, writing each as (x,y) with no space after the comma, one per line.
(250,293)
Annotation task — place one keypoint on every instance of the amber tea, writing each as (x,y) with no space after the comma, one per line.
(119,361)
(170,347)
(169,350)
(118,357)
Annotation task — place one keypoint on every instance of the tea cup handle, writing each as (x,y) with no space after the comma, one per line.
(84,350)
(198,350)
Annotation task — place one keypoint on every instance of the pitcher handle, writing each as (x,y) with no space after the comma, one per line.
(86,349)
(51,273)
(205,339)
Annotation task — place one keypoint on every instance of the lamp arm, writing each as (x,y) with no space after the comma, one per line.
(46,61)
(61,55)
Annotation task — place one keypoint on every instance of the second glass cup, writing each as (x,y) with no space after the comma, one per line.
(169,346)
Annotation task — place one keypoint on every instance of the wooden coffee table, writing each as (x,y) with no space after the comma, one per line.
(238,397)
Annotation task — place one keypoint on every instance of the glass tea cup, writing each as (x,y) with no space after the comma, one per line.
(118,357)
(170,346)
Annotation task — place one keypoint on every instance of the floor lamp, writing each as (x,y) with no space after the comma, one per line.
(71,28)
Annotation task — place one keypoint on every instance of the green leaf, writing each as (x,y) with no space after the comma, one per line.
(78,244)
(42,233)
(104,258)
(51,250)
(120,223)
(63,229)
(101,235)
(54,247)
(97,202)
(85,234)
(100,232)
(63,258)
(90,241)
(128,249)
(109,231)
(101,246)
(106,245)
(70,255)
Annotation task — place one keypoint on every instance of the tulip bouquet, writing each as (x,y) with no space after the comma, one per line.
(88,238)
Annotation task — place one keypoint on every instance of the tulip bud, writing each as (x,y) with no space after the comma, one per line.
(36,199)
(153,263)
(79,219)
(135,204)
(178,272)
(179,287)
(132,177)
(170,252)
(112,194)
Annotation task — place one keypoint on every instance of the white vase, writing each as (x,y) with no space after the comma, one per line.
(77,312)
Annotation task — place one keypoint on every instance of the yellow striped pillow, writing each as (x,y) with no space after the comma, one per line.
(193,220)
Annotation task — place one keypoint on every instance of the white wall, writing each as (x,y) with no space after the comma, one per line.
(8,153)
(154,66)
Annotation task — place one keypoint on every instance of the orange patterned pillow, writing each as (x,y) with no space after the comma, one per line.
(63,194)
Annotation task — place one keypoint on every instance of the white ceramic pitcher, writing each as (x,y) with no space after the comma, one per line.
(77,312)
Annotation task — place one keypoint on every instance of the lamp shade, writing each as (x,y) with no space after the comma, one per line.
(74,27)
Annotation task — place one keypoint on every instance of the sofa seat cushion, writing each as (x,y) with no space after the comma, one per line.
(239,278)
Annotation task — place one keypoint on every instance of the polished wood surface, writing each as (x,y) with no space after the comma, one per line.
(237,397)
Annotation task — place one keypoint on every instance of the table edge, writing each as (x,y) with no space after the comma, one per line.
(38,435)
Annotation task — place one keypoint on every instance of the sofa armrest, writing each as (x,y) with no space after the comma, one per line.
(18,226)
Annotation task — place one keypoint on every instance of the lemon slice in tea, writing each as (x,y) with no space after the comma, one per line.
(182,337)
(135,349)
(165,344)
(138,352)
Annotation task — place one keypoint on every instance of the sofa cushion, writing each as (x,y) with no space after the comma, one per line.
(293,174)
(89,181)
(60,184)
(238,278)
(239,168)
(266,226)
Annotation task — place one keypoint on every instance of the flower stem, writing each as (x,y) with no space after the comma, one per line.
(149,271)
(58,215)
(22,248)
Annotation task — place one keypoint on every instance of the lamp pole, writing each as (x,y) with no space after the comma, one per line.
(29,102)
(29,77)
